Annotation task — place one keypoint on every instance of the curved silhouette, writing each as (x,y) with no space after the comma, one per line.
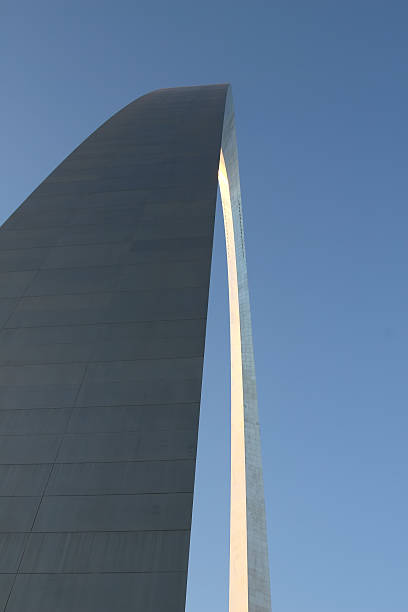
(105,274)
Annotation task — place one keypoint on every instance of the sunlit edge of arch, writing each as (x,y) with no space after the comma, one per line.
(238,580)
(249,578)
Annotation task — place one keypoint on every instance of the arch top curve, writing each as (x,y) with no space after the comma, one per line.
(102,331)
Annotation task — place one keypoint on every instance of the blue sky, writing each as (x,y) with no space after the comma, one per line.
(321,99)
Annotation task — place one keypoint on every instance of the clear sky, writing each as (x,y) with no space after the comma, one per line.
(321,97)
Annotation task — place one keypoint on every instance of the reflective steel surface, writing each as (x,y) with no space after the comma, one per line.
(104,281)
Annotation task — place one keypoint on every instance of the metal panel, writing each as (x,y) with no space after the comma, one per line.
(96,592)
(139,551)
(17,514)
(127,477)
(11,550)
(17,480)
(108,512)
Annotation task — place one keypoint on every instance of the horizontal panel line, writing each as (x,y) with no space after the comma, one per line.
(120,226)
(87,433)
(147,189)
(111,324)
(129,321)
(101,407)
(102,265)
(87,461)
(81,244)
(104,461)
(54,245)
(49,463)
(112,292)
(96,573)
(138,264)
(141,494)
(16,364)
(98,531)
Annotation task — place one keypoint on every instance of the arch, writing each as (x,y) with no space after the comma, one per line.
(105,271)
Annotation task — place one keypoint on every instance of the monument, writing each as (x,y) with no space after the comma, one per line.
(104,281)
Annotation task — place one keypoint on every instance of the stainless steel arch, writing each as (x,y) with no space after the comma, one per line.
(103,302)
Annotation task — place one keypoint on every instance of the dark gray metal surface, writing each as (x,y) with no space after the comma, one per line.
(104,279)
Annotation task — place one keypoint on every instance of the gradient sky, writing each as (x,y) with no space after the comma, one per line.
(321,100)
